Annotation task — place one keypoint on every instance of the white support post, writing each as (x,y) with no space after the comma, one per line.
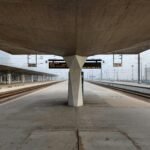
(23,78)
(9,78)
(75,93)
(32,78)
(1,79)
(43,78)
(37,78)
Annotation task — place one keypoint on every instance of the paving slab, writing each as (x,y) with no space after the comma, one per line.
(51,140)
(105,140)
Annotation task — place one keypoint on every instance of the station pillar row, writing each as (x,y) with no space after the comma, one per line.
(75,93)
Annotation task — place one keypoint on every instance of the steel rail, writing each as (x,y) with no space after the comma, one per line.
(124,90)
(6,96)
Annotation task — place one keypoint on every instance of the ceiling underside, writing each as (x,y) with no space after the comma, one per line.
(69,27)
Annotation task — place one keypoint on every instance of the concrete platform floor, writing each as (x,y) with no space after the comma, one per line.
(127,83)
(17,86)
(42,121)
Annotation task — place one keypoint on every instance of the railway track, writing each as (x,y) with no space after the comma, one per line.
(144,95)
(7,96)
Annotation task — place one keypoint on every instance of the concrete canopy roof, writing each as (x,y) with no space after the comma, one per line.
(69,27)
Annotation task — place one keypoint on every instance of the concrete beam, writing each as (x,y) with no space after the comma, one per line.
(75,93)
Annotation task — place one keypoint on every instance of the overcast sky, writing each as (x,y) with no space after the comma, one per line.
(126,72)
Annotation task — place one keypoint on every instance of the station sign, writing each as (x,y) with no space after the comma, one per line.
(117,65)
(117,60)
(32,65)
(58,65)
(61,64)
(32,60)
(92,64)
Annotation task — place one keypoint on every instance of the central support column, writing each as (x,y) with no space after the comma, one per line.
(75,93)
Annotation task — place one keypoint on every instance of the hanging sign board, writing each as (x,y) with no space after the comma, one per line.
(32,60)
(117,60)
(61,64)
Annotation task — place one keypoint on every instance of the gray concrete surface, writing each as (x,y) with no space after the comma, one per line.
(7,88)
(42,120)
(126,83)
(134,87)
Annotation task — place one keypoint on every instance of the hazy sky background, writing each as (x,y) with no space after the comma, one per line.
(109,72)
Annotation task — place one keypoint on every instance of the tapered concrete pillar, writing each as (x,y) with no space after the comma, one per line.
(75,93)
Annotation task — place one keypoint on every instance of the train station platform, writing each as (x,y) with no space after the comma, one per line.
(126,83)
(18,86)
(128,87)
(41,120)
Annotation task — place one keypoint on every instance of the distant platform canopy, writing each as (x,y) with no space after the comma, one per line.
(4,68)
(74,27)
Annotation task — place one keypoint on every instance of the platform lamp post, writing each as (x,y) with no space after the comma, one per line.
(139,69)
(146,73)
(102,62)
(132,72)
(117,75)
(92,74)
(114,74)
